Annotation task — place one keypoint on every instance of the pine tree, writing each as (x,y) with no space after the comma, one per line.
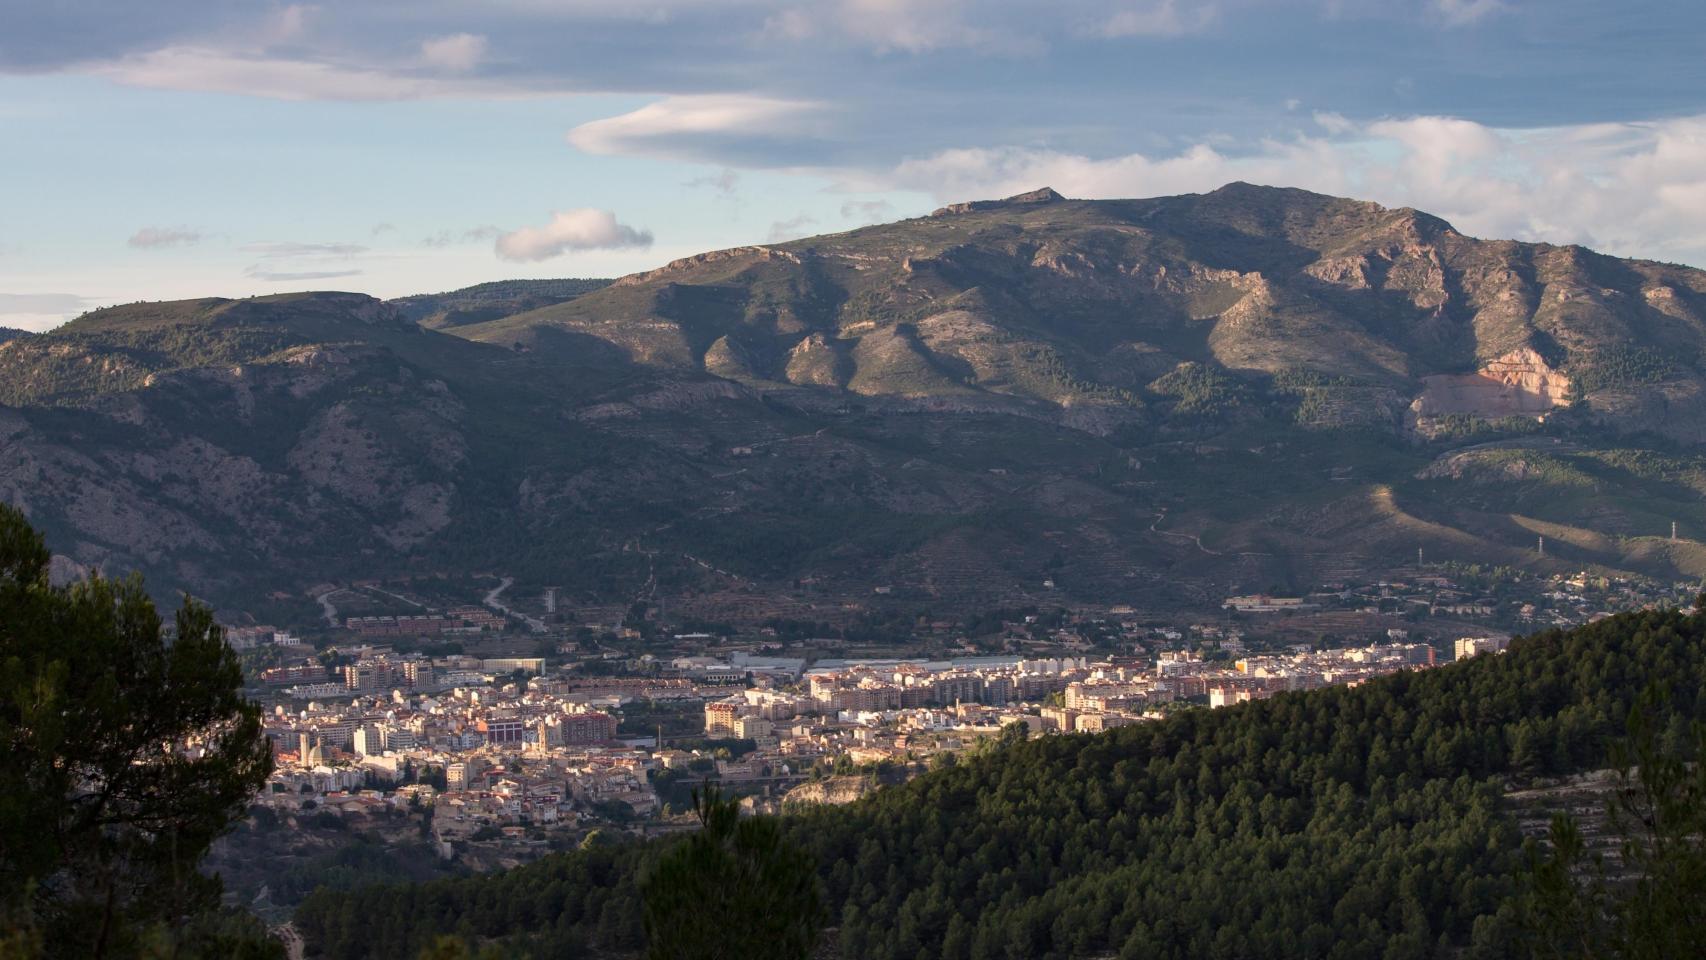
(735,889)
(1577,908)
(123,755)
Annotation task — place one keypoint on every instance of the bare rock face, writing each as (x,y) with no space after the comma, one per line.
(1518,384)
(815,361)
(1041,195)
(833,791)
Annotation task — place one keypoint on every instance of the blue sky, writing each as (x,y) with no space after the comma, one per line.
(186,148)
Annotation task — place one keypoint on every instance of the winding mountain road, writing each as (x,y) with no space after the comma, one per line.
(537,626)
(327,609)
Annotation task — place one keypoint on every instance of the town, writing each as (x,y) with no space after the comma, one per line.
(497,747)
(492,734)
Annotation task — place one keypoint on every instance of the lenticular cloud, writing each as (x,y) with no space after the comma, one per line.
(570,230)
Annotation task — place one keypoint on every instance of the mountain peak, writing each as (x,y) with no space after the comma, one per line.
(1237,187)
(1037,197)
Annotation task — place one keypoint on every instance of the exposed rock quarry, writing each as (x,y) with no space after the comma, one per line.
(1518,384)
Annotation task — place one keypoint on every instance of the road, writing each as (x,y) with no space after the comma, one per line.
(398,596)
(1161,515)
(537,626)
(327,610)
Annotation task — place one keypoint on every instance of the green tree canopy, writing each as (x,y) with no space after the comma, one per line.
(736,889)
(124,754)
(1650,903)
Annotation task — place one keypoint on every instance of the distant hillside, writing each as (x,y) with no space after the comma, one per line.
(1032,401)
(486,302)
(1121,310)
(12,333)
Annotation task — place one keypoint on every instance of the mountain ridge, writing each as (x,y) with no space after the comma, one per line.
(1140,401)
(1301,280)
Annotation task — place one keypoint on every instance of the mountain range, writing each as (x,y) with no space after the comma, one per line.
(1149,402)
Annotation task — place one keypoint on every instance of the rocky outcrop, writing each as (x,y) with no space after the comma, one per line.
(1518,384)
(816,361)
(1035,197)
(833,791)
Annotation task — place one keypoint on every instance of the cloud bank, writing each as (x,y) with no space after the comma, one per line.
(1635,189)
(569,231)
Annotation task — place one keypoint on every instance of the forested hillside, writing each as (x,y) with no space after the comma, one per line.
(1343,823)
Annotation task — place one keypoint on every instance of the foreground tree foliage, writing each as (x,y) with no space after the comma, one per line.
(123,755)
(1648,902)
(734,867)
(1337,823)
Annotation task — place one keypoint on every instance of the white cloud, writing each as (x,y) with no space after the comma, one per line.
(983,173)
(458,53)
(660,126)
(154,238)
(1628,189)
(570,230)
(282,78)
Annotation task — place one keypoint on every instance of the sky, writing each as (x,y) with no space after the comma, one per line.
(186,148)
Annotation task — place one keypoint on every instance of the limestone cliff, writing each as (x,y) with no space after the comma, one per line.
(1518,384)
